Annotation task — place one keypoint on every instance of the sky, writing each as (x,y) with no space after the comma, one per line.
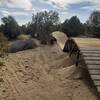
(22,10)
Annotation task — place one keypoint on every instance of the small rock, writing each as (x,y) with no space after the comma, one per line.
(26,66)
(1,80)
(3,90)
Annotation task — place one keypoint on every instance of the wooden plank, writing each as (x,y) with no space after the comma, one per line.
(98,88)
(91,58)
(95,77)
(94,72)
(97,82)
(91,49)
(90,52)
(91,55)
(88,49)
(92,62)
(95,67)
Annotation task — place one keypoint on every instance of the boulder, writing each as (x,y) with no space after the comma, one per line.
(20,45)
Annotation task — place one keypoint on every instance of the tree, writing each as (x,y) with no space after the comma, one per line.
(65,26)
(94,24)
(30,29)
(72,27)
(94,19)
(23,29)
(10,27)
(44,23)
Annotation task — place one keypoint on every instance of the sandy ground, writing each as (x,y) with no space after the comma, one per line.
(44,73)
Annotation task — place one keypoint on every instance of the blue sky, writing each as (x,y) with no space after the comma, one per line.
(22,10)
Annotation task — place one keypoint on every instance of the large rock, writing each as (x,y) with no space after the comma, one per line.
(20,45)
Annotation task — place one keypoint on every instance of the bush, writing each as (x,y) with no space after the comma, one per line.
(48,40)
(3,45)
(23,37)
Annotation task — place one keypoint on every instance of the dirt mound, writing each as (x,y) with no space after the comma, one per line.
(61,38)
(44,73)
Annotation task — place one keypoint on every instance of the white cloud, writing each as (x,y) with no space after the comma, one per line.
(25,4)
(0,22)
(44,10)
(63,16)
(95,5)
(16,13)
(95,1)
(91,8)
(66,15)
(22,22)
(62,3)
(20,14)
(65,4)
(5,13)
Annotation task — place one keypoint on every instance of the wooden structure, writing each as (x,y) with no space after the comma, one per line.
(61,38)
(88,51)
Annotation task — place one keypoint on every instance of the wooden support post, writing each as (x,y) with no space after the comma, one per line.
(77,59)
(72,49)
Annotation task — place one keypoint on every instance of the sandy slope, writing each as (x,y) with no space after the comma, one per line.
(44,73)
(61,38)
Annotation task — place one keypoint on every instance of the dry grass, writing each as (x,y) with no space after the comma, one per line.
(1,63)
(24,37)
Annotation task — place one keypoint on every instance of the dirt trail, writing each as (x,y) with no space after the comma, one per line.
(44,73)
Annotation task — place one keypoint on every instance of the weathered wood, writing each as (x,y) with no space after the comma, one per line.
(73,46)
(92,58)
(91,55)
(95,77)
(95,67)
(94,72)
(92,62)
(98,88)
(77,59)
(90,52)
(97,82)
(90,49)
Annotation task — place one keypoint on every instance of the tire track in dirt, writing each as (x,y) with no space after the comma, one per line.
(16,84)
(19,88)
(39,74)
(5,87)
